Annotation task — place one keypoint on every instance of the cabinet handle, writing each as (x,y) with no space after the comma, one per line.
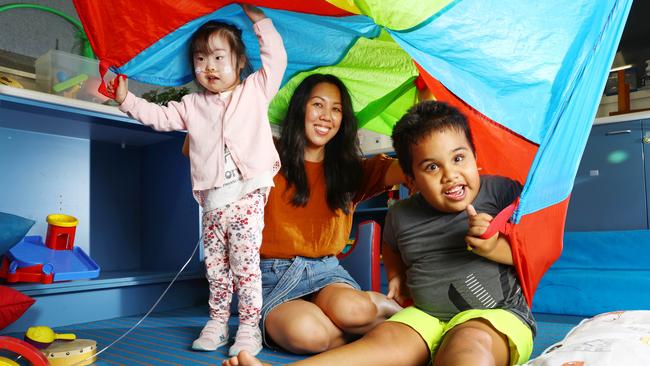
(619,132)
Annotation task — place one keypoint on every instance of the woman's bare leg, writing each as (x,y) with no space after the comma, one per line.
(474,342)
(336,312)
(301,327)
(354,311)
(389,344)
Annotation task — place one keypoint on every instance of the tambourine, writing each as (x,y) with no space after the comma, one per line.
(66,353)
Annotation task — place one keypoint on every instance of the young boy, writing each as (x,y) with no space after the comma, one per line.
(468,306)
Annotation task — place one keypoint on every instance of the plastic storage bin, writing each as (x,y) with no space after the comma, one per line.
(77,77)
(69,75)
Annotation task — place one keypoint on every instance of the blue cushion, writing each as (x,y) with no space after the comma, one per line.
(12,229)
(624,250)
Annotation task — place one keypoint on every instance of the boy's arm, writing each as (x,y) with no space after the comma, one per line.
(495,248)
(396,274)
(272,54)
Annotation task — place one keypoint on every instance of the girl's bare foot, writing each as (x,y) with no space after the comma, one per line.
(243,359)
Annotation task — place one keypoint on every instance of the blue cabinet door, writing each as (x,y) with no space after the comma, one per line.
(609,192)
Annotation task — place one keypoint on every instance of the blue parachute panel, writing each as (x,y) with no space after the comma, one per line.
(167,61)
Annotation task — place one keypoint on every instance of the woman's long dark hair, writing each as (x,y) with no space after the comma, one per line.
(342,161)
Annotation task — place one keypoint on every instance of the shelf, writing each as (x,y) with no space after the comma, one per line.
(371,209)
(105,281)
(113,295)
(34,111)
(128,185)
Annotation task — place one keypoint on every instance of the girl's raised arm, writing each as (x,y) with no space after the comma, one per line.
(254,13)
(272,52)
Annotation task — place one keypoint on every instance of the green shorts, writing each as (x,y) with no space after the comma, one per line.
(520,337)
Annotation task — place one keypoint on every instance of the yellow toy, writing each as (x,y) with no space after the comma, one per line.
(9,81)
(67,353)
(42,336)
(7,362)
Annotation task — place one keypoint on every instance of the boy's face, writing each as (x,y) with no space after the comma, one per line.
(445,171)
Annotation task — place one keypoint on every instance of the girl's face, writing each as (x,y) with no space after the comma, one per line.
(445,171)
(217,71)
(323,114)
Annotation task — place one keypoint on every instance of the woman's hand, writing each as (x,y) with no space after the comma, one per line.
(120,86)
(254,13)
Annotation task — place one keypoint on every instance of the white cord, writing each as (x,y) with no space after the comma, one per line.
(148,312)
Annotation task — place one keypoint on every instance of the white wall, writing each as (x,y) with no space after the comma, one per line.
(638,100)
(33,32)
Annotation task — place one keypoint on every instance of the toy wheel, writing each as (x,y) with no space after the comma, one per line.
(8,362)
(15,352)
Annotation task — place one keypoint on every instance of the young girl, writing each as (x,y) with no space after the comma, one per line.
(233,161)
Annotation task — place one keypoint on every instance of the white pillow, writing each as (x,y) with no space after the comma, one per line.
(610,339)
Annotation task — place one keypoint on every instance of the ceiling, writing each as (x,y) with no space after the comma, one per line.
(635,42)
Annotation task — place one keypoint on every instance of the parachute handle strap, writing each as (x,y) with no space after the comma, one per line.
(501,223)
(103,69)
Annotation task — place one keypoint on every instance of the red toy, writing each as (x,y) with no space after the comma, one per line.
(60,231)
(56,259)
(23,349)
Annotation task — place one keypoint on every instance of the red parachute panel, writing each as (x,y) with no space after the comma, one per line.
(155,19)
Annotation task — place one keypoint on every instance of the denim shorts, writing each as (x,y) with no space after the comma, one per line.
(289,279)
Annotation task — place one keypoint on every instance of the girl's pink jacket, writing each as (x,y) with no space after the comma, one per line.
(243,126)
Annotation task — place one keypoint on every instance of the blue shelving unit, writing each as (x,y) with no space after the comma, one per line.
(128,186)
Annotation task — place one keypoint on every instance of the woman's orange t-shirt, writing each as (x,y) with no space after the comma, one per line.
(314,230)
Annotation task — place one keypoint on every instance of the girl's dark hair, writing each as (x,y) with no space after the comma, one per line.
(342,161)
(419,122)
(201,43)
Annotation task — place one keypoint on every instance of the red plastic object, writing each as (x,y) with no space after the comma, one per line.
(22,348)
(25,274)
(59,237)
(362,261)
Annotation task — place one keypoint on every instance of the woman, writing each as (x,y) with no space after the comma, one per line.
(311,304)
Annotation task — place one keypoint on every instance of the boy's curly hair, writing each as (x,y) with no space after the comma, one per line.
(420,121)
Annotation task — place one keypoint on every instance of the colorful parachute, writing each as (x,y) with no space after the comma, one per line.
(528,74)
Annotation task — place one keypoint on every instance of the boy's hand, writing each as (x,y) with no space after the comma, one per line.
(478,224)
(397,290)
(120,86)
(254,13)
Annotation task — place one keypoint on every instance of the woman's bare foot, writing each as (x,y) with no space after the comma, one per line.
(243,359)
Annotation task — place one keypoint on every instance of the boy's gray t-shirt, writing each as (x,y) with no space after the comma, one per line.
(444,277)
